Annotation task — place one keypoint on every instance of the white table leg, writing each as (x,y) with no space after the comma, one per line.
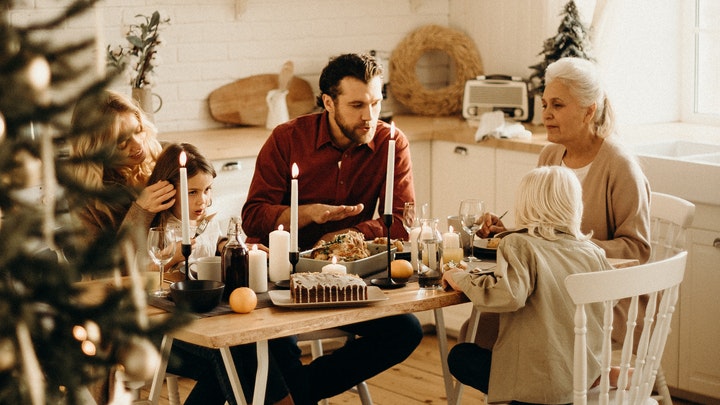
(232,375)
(159,376)
(442,343)
(263,359)
(470,333)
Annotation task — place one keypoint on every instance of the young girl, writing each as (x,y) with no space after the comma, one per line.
(532,360)
(205,229)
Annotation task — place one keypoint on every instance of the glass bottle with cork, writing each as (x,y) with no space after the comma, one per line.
(235,259)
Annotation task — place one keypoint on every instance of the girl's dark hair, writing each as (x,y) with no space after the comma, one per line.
(363,67)
(167,166)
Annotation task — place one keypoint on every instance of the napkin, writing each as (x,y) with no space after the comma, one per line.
(494,124)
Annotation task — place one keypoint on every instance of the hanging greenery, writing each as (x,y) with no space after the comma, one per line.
(54,342)
(571,40)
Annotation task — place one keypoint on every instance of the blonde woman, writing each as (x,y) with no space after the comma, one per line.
(530,361)
(119,156)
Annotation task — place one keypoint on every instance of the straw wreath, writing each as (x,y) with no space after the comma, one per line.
(406,87)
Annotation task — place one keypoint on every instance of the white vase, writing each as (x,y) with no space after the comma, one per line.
(144,97)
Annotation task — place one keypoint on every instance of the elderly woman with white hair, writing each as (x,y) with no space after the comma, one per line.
(530,362)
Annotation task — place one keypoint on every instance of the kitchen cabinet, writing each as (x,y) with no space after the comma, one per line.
(459,171)
(510,167)
(420,154)
(699,310)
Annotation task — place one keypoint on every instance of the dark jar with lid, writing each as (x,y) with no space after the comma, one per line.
(235,260)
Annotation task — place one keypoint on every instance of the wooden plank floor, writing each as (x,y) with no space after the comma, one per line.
(417,380)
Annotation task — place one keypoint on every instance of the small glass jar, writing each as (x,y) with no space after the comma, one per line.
(430,253)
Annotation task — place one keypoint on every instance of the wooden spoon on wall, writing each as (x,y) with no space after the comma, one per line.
(286,73)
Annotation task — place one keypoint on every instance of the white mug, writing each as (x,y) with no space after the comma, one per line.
(207,268)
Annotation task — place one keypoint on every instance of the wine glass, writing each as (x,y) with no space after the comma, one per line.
(161,246)
(471,214)
(409,217)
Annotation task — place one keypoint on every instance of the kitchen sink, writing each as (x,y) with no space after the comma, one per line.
(683,168)
(676,149)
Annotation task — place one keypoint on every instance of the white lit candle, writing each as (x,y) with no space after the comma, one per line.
(279,255)
(258,270)
(184,205)
(334,267)
(451,240)
(294,209)
(390,178)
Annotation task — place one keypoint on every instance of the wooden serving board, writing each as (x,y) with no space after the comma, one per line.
(242,102)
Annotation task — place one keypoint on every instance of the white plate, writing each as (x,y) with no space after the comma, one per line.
(481,245)
(282,298)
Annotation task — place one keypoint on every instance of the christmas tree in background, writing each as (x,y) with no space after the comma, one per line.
(53,341)
(570,40)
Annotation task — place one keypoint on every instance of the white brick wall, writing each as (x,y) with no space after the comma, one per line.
(210,43)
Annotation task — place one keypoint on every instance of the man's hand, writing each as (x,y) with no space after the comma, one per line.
(490,225)
(157,197)
(322,213)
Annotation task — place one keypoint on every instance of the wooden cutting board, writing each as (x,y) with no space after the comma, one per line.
(243,102)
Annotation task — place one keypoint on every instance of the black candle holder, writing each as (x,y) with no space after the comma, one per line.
(294,259)
(186,250)
(387,282)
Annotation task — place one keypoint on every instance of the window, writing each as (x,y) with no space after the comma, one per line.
(703,102)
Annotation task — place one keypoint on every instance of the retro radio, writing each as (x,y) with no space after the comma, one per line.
(493,93)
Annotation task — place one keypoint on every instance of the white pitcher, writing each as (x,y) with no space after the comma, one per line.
(277,108)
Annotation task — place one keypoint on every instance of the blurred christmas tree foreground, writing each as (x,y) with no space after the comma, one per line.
(53,342)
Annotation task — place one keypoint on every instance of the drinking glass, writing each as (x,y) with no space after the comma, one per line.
(471,213)
(161,246)
(409,217)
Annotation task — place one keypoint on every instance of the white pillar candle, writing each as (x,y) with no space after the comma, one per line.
(390,174)
(451,239)
(184,205)
(452,255)
(294,209)
(279,255)
(258,270)
(334,267)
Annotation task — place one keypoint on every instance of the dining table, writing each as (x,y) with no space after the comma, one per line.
(262,324)
(226,329)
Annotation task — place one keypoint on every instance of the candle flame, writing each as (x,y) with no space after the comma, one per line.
(392,130)
(334,260)
(280,227)
(450,229)
(183,158)
(295,170)
(254,248)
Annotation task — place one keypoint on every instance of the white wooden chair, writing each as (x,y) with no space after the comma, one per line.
(661,281)
(670,217)
(316,348)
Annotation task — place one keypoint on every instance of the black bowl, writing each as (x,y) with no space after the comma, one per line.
(197,295)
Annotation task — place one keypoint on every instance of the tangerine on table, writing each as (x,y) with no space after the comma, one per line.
(243,300)
(400,268)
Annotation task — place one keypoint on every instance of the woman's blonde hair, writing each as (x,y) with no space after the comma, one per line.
(582,77)
(98,123)
(549,201)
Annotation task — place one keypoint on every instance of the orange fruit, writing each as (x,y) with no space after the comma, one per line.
(400,269)
(243,300)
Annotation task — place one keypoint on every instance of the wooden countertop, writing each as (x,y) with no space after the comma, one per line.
(237,142)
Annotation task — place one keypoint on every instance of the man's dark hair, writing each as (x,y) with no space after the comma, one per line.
(360,66)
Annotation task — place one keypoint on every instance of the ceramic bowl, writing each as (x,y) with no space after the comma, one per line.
(197,295)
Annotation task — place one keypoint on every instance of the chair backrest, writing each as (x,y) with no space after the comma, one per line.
(670,217)
(660,280)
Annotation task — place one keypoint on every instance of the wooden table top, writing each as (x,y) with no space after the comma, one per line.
(273,322)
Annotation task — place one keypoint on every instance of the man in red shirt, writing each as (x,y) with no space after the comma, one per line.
(341,154)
